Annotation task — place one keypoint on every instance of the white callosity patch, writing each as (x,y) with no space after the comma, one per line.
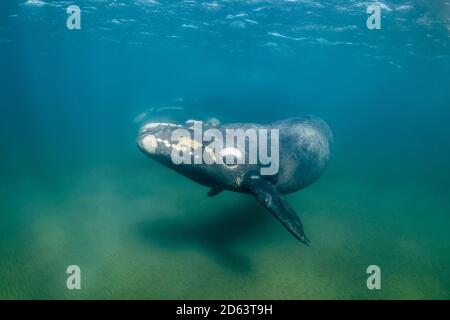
(186,145)
(150,143)
(166,143)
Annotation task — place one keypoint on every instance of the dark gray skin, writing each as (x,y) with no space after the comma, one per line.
(304,151)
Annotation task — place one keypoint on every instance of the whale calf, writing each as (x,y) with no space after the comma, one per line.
(300,149)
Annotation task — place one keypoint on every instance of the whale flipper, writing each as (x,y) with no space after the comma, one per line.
(269,197)
(214,191)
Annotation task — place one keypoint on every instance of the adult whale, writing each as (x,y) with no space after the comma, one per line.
(304,147)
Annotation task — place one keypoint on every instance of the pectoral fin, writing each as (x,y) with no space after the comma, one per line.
(269,197)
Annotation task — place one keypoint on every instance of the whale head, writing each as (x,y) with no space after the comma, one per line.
(154,140)
(165,142)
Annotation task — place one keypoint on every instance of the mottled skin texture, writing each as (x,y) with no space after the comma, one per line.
(304,151)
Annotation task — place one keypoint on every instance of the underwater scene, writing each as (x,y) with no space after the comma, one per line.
(84,84)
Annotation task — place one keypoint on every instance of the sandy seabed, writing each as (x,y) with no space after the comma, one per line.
(148,233)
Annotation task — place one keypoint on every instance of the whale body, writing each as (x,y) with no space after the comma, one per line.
(303,145)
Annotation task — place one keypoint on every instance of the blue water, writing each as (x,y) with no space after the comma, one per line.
(74,189)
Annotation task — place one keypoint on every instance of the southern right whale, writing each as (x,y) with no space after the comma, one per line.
(304,148)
